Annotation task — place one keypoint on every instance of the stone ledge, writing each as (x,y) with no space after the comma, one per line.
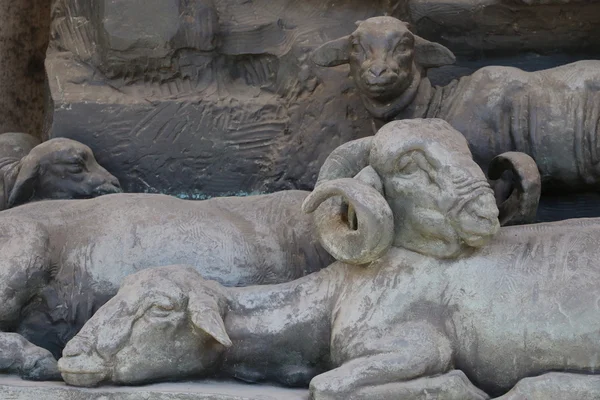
(13,388)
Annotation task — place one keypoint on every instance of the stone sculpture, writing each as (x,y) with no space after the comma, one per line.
(61,260)
(552,115)
(428,297)
(56,169)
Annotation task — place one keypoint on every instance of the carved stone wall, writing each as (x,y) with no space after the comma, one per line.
(212,97)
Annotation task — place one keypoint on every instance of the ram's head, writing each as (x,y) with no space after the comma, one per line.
(385,57)
(413,185)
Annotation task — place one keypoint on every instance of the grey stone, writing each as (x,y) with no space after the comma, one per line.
(57,169)
(484,28)
(13,388)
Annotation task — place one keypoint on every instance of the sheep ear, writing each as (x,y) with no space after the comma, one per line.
(332,53)
(431,55)
(23,188)
(205,315)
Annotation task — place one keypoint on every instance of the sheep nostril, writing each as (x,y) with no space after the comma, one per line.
(378,70)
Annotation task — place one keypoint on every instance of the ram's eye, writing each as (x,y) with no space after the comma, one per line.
(407,166)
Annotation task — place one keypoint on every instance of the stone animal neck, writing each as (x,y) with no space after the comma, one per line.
(254,312)
(426,102)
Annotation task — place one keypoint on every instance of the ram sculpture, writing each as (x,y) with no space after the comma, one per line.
(552,115)
(428,296)
(59,168)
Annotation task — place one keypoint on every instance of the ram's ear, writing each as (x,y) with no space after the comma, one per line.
(206,316)
(23,188)
(432,55)
(330,54)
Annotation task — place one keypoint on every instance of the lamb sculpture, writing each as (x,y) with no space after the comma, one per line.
(431,297)
(61,260)
(552,115)
(59,168)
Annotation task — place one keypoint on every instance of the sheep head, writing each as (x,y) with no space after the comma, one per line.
(163,322)
(412,185)
(61,168)
(386,59)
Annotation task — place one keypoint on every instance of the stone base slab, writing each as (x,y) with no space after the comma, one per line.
(14,388)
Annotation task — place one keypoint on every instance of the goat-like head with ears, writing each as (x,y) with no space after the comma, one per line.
(412,185)
(162,320)
(61,168)
(386,60)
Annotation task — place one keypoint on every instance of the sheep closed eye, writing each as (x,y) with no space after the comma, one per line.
(160,310)
(76,167)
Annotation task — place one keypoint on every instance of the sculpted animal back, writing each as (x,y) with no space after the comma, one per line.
(518,111)
(528,290)
(117,235)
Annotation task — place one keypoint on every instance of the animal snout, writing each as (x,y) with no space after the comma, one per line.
(108,186)
(378,69)
(77,347)
(379,73)
(115,182)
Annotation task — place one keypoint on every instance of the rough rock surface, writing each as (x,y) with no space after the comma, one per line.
(215,97)
(24,94)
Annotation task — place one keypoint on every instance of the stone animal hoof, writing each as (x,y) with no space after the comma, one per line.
(40,367)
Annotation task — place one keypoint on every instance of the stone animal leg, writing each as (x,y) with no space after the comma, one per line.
(421,351)
(453,385)
(18,356)
(23,259)
(556,385)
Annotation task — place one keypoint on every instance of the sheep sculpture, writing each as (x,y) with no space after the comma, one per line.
(429,296)
(552,115)
(61,260)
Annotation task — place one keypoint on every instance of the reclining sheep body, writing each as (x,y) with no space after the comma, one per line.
(61,260)
(552,115)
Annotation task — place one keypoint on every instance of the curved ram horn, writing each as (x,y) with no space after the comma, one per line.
(346,161)
(374,231)
(521,206)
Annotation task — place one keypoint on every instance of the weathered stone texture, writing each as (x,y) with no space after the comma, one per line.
(213,97)
(24,94)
